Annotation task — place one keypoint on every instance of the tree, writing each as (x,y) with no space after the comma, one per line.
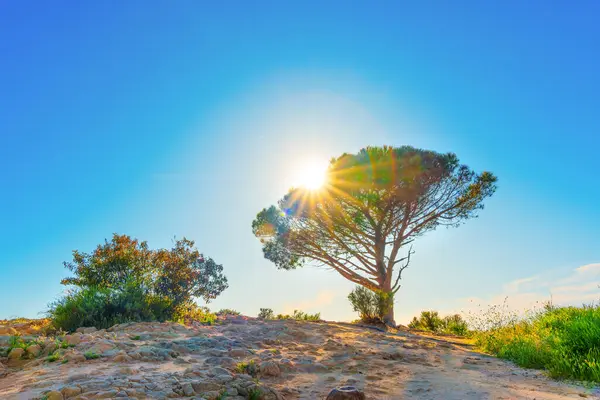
(179,274)
(373,207)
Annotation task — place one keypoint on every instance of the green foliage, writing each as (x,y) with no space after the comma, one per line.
(372,306)
(254,394)
(565,341)
(53,357)
(455,324)
(266,313)
(123,280)
(90,355)
(16,341)
(64,345)
(135,337)
(427,321)
(432,322)
(227,311)
(249,368)
(195,313)
(300,316)
(222,395)
(374,204)
(105,307)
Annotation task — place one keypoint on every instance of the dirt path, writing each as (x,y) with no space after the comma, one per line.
(292,360)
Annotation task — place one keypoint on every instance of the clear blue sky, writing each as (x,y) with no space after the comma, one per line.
(183,118)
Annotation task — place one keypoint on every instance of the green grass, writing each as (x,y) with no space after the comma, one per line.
(254,394)
(300,316)
(52,357)
(90,355)
(565,341)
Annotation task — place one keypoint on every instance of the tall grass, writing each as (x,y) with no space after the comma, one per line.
(565,341)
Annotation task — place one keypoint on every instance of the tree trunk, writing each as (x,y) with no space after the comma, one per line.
(388,318)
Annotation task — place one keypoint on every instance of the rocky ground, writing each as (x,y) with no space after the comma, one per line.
(251,359)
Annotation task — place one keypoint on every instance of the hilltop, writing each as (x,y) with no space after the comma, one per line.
(242,358)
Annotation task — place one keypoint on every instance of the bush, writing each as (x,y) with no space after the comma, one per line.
(427,321)
(430,321)
(455,325)
(103,308)
(266,313)
(194,313)
(249,368)
(123,280)
(302,316)
(227,311)
(371,306)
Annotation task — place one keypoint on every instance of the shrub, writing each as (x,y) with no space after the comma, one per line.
(254,394)
(123,280)
(90,355)
(430,321)
(427,321)
(300,316)
(455,324)
(249,368)
(371,306)
(103,308)
(565,341)
(193,312)
(266,313)
(227,311)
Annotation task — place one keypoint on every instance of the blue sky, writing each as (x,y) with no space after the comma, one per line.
(185,118)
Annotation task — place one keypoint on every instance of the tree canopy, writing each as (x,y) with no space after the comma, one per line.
(180,273)
(374,205)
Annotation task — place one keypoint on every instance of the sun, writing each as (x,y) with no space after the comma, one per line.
(312,176)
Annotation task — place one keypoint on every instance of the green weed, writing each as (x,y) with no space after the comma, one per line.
(90,355)
(565,341)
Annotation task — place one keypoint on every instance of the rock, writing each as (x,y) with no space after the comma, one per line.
(3,371)
(86,330)
(269,368)
(101,347)
(346,393)
(212,395)
(73,356)
(34,350)
(122,357)
(226,362)
(286,365)
(238,353)
(16,353)
(187,388)
(54,395)
(219,371)
(205,386)
(70,391)
(8,330)
(311,368)
(73,340)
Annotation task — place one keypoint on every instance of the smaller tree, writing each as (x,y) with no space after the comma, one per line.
(266,313)
(371,306)
(179,274)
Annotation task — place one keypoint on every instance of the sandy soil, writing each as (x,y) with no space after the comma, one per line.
(295,360)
